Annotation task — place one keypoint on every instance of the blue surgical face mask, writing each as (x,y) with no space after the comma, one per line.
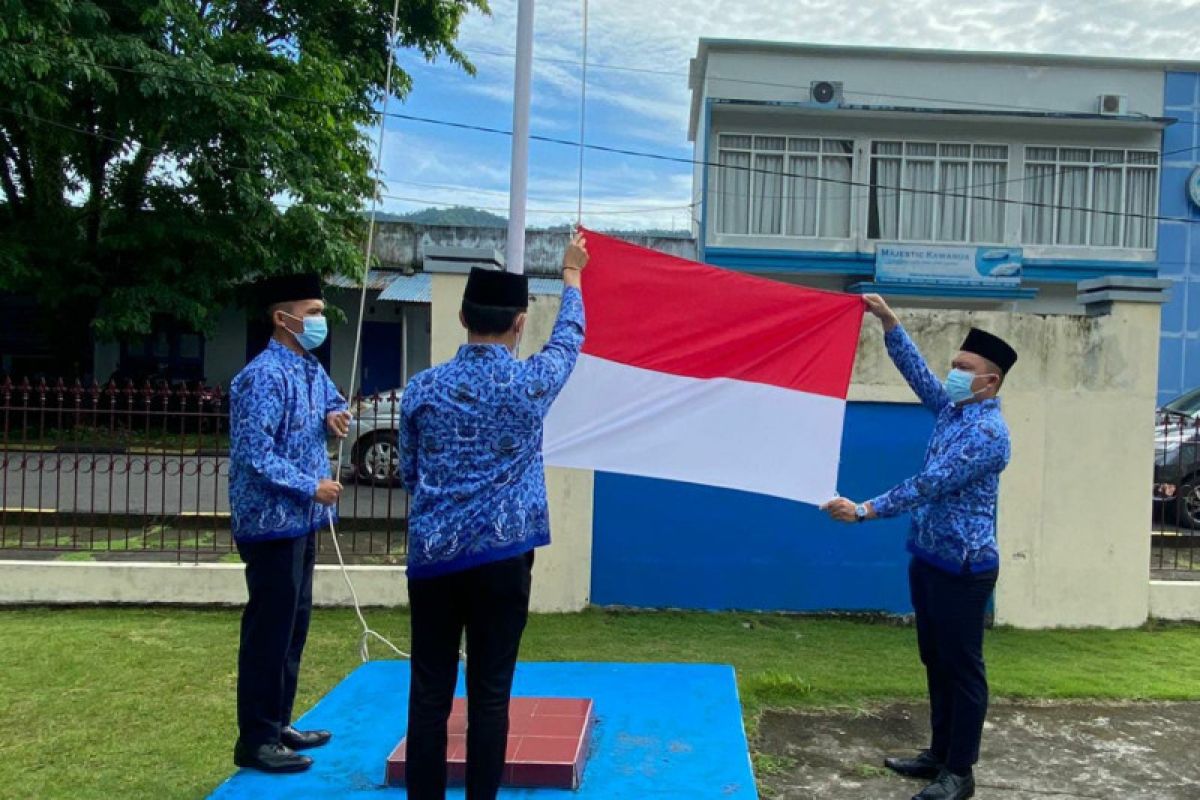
(958,385)
(314,333)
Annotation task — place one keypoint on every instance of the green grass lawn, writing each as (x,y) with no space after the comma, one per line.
(139,703)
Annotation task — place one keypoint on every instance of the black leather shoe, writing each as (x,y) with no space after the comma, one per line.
(302,740)
(270,758)
(949,786)
(923,766)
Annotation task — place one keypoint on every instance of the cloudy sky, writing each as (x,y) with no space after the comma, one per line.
(637,86)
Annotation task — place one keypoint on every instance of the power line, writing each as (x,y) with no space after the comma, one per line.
(689,161)
(107,137)
(64,126)
(772,173)
(784,174)
(227,86)
(285,206)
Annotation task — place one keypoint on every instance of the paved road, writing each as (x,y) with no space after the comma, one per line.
(164,485)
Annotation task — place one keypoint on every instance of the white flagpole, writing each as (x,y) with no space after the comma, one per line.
(518,183)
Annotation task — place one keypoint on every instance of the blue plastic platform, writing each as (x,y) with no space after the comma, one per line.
(663,731)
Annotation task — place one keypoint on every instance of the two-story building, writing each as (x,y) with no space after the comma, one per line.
(994,184)
(979,179)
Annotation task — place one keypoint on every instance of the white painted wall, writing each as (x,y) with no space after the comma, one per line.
(931,80)
(1075,500)
(1175,600)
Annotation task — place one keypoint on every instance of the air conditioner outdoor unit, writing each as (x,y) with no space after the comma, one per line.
(826,93)
(1113,105)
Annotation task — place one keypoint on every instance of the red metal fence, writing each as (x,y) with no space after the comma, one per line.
(141,472)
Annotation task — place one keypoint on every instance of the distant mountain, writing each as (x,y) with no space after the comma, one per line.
(462,216)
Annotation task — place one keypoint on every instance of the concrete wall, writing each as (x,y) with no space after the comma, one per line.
(1075,500)
(66,582)
(562,572)
(1175,600)
(419,331)
(665,544)
(402,245)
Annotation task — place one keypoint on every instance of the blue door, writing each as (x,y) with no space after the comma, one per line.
(382,356)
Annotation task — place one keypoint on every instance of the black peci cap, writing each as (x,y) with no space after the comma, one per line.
(991,347)
(497,289)
(289,288)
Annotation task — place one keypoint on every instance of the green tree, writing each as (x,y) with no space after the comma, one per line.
(155,153)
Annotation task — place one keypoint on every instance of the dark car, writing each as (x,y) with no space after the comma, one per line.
(1177,461)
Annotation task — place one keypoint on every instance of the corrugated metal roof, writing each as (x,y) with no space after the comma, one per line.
(377,280)
(418,288)
(409,289)
(545,286)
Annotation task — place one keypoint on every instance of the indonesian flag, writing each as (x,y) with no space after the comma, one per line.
(703,375)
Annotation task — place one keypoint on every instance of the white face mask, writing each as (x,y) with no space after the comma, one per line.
(516,348)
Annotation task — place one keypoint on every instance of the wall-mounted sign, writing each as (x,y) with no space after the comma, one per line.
(948,264)
(1193,186)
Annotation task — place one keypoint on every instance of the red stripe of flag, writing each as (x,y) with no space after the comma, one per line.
(655,311)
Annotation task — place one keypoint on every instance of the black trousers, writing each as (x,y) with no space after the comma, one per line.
(492,603)
(279,577)
(950,620)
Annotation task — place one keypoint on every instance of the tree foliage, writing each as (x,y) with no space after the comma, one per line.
(155,153)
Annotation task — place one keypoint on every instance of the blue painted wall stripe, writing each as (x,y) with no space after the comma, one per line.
(661,544)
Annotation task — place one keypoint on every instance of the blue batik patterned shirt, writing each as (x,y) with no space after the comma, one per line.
(471,444)
(953,498)
(277,454)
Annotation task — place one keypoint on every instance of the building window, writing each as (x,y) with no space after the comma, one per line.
(784,186)
(938,192)
(1080,196)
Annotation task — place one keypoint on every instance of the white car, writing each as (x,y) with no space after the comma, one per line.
(371,451)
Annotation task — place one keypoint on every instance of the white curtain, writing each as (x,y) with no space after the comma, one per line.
(768,194)
(1038,220)
(918,204)
(1072,205)
(1106,207)
(803,191)
(1139,207)
(952,203)
(835,197)
(987,209)
(733,198)
(886,198)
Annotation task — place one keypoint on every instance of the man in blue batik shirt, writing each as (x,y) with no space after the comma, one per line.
(282,408)
(955,562)
(471,444)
